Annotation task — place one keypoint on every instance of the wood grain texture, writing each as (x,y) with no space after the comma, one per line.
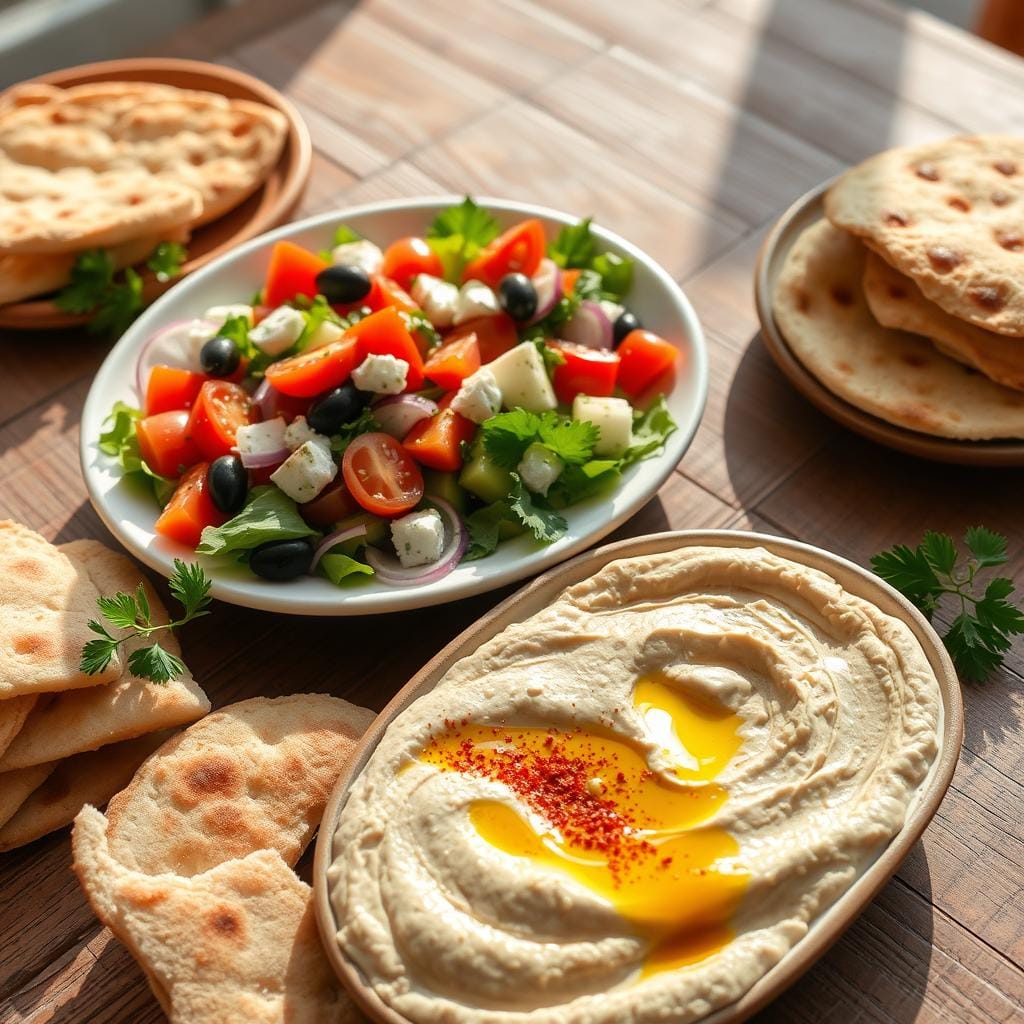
(686,125)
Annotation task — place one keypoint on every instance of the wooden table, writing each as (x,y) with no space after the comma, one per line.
(686,125)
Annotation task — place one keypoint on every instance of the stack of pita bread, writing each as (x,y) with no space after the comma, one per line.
(192,867)
(908,300)
(121,166)
(67,738)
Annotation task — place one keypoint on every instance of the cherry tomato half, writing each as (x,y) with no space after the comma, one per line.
(165,444)
(219,410)
(381,476)
(311,373)
(645,357)
(407,257)
(190,509)
(518,251)
(586,371)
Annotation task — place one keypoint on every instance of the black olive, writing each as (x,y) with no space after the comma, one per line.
(518,296)
(329,414)
(219,357)
(624,323)
(229,484)
(282,559)
(343,284)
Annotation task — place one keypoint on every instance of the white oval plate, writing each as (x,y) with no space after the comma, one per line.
(656,298)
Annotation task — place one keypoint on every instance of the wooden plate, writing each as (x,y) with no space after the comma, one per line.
(804,212)
(826,928)
(268,206)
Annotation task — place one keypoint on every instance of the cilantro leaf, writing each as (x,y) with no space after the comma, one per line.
(988,547)
(651,430)
(571,440)
(268,515)
(155,664)
(587,286)
(119,306)
(939,551)
(91,276)
(909,571)
(458,233)
(507,436)
(616,274)
(364,423)
(574,246)
(417,322)
(190,587)
(97,655)
(484,527)
(338,567)
(166,260)
(545,524)
(121,611)
(576,483)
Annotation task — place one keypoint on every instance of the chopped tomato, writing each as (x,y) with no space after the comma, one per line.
(329,506)
(495,335)
(518,250)
(453,362)
(569,279)
(190,509)
(311,373)
(218,412)
(645,357)
(437,442)
(292,272)
(165,444)
(171,387)
(391,293)
(586,371)
(380,475)
(407,257)
(384,334)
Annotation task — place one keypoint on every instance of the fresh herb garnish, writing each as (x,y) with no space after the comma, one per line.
(520,508)
(574,246)
(190,587)
(458,233)
(343,234)
(269,514)
(364,423)
(417,322)
(120,441)
(605,275)
(166,260)
(982,631)
(507,436)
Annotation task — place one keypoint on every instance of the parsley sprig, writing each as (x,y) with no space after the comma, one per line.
(983,629)
(190,587)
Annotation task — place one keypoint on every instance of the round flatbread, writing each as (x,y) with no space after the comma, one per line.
(948,215)
(820,308)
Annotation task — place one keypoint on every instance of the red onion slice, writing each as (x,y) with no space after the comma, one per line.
(589,326)
(263,460)
(391,571)
(333,539)
(398,414)
(267,398)
(170,346)
(548,284)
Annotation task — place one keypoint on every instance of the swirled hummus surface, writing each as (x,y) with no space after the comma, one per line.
(632,804)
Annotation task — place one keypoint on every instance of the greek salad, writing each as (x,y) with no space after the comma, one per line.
(390,412)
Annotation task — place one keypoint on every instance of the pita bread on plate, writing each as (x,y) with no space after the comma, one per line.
(79,720)
(237,944)
(948,215)
(819,306)
(15,788)
(13,713)
(91,778)
(897,302)
(251,776)
(45,606)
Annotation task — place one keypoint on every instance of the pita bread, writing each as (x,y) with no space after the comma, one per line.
(15,788)
(79,720)
(897,302)
(948,215)
(45,606)
(13,713)
(820,307)
(255,775)
(237,944)
(91,778)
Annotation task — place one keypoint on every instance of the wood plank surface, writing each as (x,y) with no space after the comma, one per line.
(688,126)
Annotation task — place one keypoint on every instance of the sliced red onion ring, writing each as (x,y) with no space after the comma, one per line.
(391,571)
(263,460)
(267,398)
(589,326)
(333,539)
(548,284)
(398,414)
(170,346)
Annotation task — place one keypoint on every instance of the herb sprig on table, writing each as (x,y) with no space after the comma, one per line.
(190,587)
(987,620)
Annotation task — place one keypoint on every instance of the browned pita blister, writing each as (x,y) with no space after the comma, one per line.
(255,775)
(46,603)
(69,723)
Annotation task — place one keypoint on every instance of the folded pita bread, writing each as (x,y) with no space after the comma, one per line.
(237,944)
(69,723)
(91,778)
(15,788)
(45,606)
(13,713)
(252,776)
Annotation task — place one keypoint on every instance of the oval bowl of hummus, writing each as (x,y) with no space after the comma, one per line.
(654,784)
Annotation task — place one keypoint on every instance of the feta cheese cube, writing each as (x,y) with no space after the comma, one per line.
(219,315)
(479,397)
(539,468)
(523,379)
(306,472)
(475,299)
(323,335)
(299,432)
(278,330)
(257,438)
(613,418)
(385,375)
(363,254)
(418,537)
(436,298)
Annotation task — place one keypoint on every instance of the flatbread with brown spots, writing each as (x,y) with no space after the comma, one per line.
(820,308)
(252,776)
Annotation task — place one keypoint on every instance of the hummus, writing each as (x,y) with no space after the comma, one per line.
(631,805)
